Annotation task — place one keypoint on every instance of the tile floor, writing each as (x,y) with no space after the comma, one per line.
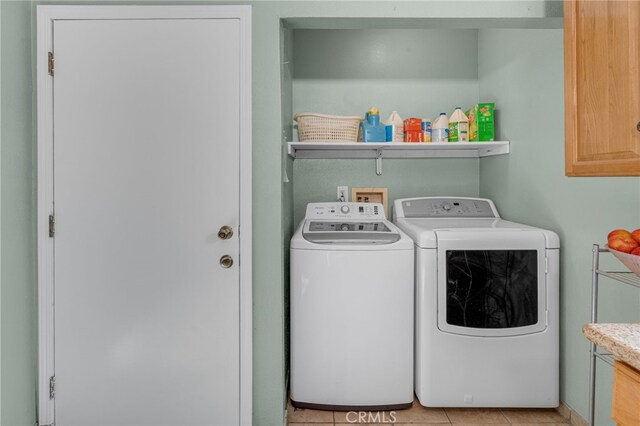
(418,415)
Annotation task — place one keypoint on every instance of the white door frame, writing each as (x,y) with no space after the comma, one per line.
(46,15)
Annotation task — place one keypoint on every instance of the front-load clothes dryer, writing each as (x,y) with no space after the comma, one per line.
(486,305)
(351,310)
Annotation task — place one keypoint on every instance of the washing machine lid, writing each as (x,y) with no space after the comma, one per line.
(347,227)
(349,232)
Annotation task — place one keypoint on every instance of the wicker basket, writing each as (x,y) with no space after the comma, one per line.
(631,261)
(332,128)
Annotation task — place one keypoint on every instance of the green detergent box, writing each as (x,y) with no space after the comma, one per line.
(481,123)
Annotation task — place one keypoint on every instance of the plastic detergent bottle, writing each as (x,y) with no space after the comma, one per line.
(458,126)
(440,129)
(372,130)
(426,130)
(394,128)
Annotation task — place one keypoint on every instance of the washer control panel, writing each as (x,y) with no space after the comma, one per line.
(447,207)
(348,226)
(353,211)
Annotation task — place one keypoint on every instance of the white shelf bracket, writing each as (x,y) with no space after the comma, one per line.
(379,161)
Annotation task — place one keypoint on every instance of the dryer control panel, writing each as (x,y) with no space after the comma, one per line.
(446,207)
(352,211)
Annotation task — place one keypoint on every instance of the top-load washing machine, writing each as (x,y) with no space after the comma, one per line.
(351,310)
(486,305)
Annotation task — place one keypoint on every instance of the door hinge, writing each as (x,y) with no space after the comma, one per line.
(50,63)
(52,226)
(52,387)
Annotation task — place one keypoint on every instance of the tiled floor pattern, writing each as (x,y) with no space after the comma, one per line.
(419,415)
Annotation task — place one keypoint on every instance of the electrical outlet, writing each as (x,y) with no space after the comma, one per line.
(343,193)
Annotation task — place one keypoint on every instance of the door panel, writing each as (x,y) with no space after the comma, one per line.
(602,89)
(146,170)
(492,289)
(497,284)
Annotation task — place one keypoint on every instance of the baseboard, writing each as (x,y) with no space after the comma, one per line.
(568,413)
(286,397)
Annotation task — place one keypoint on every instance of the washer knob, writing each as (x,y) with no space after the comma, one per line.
(446,207)
(344,227)
(344,209)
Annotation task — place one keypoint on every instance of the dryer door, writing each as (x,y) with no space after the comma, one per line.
(491,283)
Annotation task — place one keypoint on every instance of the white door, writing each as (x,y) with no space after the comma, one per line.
(146,170)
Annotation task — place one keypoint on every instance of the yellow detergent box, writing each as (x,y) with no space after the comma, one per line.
(481,123)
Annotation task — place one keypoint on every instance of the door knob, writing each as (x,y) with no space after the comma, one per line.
(226,261)
(225,232)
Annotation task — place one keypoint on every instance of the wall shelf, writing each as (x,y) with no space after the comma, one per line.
(330,150)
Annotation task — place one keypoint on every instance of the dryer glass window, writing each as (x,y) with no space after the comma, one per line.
(492,288)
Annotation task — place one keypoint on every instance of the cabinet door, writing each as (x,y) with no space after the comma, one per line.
(602,91)
(625,407)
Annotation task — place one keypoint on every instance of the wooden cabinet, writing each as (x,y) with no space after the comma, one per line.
(625,407)
(602,87)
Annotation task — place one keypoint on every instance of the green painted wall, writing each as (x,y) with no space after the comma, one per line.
(413,71)
(316,180)
(17,168)
(286,55)
(522,71)
(419,73)
(269,252)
